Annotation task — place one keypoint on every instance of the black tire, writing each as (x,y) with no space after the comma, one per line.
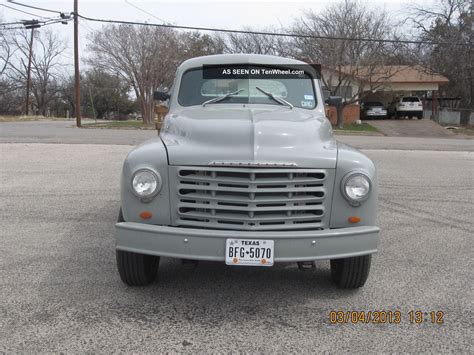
(351,272)
(136,269)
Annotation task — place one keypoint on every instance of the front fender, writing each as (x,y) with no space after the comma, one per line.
(350,159)
(150,154)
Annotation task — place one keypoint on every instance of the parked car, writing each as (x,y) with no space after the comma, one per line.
(246,171)
(373,109)
(406,106)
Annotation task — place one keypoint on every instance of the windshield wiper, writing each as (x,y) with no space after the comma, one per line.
(275,98)
(220,98)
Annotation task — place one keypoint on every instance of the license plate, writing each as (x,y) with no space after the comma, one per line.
(249,252)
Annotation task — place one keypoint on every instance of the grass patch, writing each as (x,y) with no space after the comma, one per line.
(353,127)
(32,118)
(468,131)
(135,124)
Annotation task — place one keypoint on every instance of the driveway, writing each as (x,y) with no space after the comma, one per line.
(60,290)
(411,128)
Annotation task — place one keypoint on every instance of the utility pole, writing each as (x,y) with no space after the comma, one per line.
(30,25)
(76,65)
(28,74)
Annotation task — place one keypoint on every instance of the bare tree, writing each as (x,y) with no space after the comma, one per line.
(7,105)
(46,65)
(449,23)
(6,51)
(258,43)
(351,59)
(147,57)
(195,44)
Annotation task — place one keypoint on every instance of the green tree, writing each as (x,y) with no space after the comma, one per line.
(107,95)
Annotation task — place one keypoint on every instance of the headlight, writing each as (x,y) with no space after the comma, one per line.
(146,183)
(356,187)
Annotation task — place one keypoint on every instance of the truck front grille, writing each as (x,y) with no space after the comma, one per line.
(251,198)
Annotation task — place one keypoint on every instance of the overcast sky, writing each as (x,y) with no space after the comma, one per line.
(222,14)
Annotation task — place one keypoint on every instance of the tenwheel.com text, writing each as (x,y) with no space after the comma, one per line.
(245,71)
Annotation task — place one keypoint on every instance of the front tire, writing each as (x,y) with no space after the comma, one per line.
(351,273)
(136,269)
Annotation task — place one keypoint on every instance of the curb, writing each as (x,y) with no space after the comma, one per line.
(358,133)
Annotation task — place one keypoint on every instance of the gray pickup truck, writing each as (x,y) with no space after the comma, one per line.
(246,171)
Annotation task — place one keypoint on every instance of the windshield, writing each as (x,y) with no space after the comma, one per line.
(374,104)
(195,89)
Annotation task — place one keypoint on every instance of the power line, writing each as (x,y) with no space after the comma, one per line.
(211,29)
(85,26)
(34,7)
(52,22)
(263,33)
(39,23)
(12,28)
(11,23)
(144,11)
(24,12)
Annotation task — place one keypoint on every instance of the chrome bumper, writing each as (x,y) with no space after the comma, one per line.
(206,244)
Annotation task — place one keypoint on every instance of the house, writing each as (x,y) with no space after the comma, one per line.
(379,83)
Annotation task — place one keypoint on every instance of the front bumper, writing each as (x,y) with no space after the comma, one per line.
(207,244)
(376,113)
(409,112)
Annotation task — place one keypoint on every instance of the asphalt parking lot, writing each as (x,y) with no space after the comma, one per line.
(60,291)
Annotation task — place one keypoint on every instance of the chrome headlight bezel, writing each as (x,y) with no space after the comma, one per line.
(157,178)
(344,182)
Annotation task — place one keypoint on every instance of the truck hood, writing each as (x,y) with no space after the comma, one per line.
(228,135)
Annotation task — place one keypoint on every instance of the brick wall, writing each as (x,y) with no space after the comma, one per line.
(351,114)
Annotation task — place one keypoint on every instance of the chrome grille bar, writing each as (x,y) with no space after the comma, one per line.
(251,198)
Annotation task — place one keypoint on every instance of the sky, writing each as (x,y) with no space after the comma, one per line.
(228,14)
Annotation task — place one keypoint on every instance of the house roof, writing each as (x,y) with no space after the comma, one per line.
(415,74)
(395,74)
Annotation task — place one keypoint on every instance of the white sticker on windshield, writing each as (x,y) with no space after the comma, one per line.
(308,97)
(306,103)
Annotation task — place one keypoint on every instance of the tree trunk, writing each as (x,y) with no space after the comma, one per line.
(147,105)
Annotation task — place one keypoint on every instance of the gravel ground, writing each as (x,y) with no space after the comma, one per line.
(60,291)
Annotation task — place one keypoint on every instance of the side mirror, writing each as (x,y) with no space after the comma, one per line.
(161,96)
(334,101)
